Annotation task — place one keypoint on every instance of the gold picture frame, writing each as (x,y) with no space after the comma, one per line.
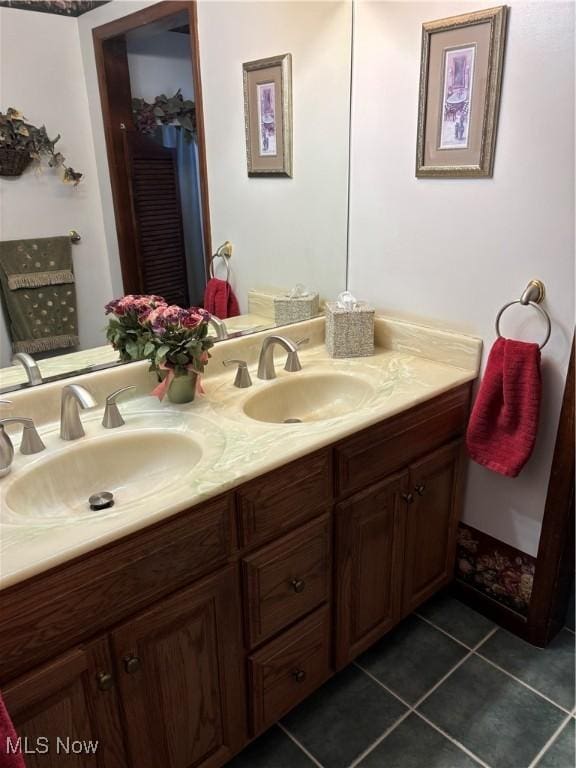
(268,115)
(459,98)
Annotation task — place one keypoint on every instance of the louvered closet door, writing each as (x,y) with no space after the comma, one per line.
(157,218)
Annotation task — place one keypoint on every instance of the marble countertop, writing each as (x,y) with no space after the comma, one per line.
(411,364)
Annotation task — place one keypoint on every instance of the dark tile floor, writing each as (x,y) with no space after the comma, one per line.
(446,689)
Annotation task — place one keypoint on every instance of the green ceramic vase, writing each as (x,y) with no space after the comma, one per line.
(182,388)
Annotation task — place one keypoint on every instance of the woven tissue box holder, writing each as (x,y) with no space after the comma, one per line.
(350,330)
(293,309)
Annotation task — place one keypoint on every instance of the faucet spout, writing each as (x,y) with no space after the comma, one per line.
(266,368)
(30,366)
(219,327)
(74,397)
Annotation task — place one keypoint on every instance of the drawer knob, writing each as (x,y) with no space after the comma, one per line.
(299,675)
(298,585)
(105,681)
(408,498)
(131,664)
(420,489)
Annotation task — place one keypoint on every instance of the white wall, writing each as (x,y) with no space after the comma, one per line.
(284,231)
(454,251)
(41,74)
(160,63)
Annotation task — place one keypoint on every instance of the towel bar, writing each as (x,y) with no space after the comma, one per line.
(532,297)
(223,252)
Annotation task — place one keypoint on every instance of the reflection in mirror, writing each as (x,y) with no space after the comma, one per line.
(148,100)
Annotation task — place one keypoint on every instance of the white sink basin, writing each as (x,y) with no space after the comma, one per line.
(308,398)
(132,465)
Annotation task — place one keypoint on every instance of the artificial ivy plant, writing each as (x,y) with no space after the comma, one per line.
(17,135)
(165,110)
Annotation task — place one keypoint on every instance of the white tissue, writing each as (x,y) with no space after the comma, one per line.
(346,300)
(299,292)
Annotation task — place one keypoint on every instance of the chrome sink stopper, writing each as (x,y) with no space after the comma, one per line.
(101,500)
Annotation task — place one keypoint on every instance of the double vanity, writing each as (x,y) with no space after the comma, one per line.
(259,538)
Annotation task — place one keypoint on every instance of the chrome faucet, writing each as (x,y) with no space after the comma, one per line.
(30,366)
(266,361)
(31,442)
(219,326)
(74,397)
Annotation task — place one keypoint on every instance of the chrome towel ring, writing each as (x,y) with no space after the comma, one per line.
(223,252)
(532,297)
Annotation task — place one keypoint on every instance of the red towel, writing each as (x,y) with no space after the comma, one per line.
(8,741)
(502,428)
(219,299)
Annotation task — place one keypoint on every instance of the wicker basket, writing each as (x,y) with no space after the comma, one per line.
(13,162)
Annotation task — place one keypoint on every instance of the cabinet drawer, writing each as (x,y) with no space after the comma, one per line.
(289,668)
(287,579)
(381,450)
(284,498)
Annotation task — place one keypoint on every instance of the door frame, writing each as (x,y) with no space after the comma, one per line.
(115,99)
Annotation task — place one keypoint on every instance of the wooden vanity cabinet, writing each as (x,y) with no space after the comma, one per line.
(180,677)
(369,565)
(432,515)
(65,702)
(214,623)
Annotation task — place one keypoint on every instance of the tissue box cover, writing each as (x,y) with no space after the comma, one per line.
(349,332)
(288,310)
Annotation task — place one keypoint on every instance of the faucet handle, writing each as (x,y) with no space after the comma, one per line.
(112,417)
(111,398)
(242,379)
(31,440)
(293,363)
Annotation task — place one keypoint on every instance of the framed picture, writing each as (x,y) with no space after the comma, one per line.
(268,115)
(460,81)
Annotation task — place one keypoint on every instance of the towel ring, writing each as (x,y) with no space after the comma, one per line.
(220,254)
(530,304)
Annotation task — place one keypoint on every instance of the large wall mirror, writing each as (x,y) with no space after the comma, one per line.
(149,101)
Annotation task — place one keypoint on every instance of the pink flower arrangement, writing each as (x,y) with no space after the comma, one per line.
(125,330)
(174,339)
(132,303)
(164,317)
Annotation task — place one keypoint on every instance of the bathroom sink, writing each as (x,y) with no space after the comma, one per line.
(308,398)
(130,465)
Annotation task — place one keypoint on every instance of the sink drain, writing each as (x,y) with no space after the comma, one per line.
(101,500)
(292,421)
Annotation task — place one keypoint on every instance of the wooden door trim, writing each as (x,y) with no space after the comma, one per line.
(555,560)
(114,114)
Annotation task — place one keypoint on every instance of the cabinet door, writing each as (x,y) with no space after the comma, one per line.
(369,548)
(65,712)
(181,677)
(431,524)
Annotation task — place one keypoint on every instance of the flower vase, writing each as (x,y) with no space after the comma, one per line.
(182,388)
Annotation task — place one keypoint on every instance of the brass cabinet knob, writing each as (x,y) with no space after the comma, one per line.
(408,498)
(420,488)
(299,675)
(298,585)
(105,681)
(131,664)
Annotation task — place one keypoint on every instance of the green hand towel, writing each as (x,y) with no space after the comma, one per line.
(38,294)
